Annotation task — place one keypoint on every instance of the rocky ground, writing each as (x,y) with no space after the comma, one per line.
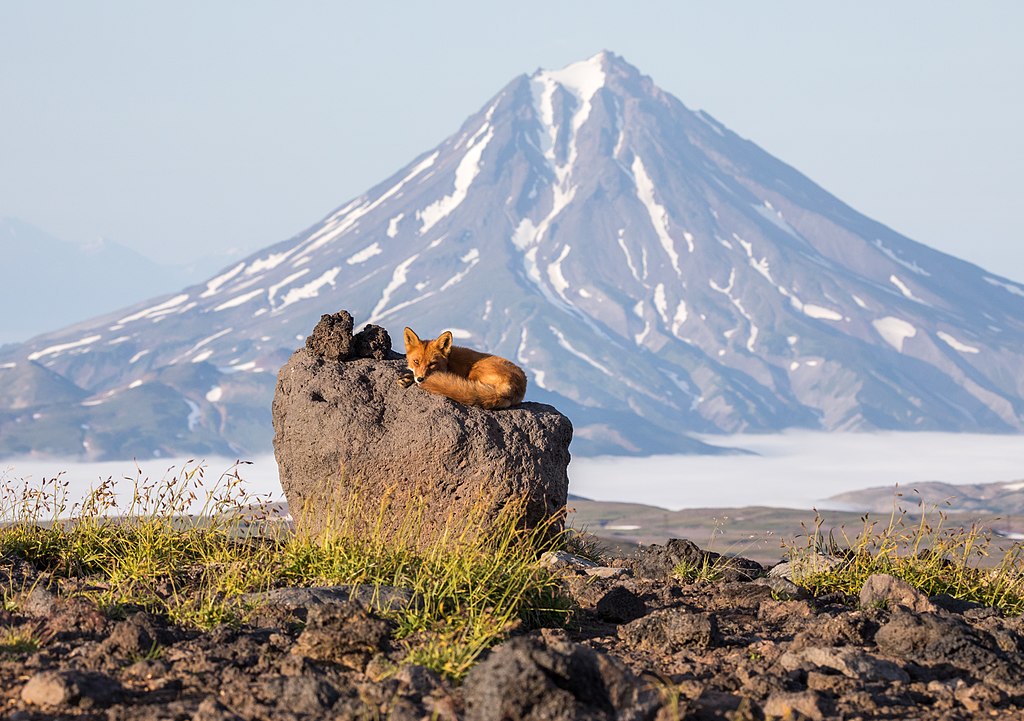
(640,646)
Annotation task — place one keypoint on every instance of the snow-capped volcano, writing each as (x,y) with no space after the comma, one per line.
(653,272)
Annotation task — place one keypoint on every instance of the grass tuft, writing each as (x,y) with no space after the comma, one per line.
(188,549)
(966,563)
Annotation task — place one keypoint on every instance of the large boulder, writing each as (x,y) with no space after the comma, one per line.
(354,448)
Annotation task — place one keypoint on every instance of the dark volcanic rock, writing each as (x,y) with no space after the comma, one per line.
(671,630)
(347,436)
(372,342)
(620,605)
(658,561)
(332,336)
(526,678)
(942,641)
(63,688)
(342,633)
(881,589)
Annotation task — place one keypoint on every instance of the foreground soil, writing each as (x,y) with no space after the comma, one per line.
(639,646)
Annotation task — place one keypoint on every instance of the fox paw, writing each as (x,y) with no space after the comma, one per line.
(405,380)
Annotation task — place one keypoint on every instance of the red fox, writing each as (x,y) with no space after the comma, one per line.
(462,374)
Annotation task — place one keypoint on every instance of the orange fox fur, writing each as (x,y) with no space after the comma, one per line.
(463,374)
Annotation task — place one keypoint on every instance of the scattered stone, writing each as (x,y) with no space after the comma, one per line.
(805,564)
(70,688)
(210,709)
(130,638)
(927,638)
(526,678)
(608,572)
(561,560)
(796,705)
(620,605)
(372,342)
(847,661)
(783,589)
(39,602)
(672,630)
(332,337)
(661,562)
(951,604)
(883,590)
(342,633)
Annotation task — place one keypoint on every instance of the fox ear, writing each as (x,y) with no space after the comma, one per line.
(444,342)
(411,339)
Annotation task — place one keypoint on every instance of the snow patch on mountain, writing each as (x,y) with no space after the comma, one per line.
(820,312)
(309,290)
(629,258)
(272,291)
(466,172)
(1008,287)
(337,227)
(61,347)
(909,265)
(392,231)
(365,254)
(955,344)
(894,330)
(238,300)
(214,285)
(904,289)
(471,259)
(153,310)
(564,343)
(398,278)
(657,213)
(555,276)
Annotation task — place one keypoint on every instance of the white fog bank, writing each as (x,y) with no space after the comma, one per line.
(791,470)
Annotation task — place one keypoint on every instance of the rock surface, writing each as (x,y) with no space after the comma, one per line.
(719,651)
(347,437)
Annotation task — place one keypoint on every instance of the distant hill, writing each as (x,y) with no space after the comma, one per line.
(654,273)
(49,283)
(999,499)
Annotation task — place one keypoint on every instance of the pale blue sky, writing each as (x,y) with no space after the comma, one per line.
(186,128)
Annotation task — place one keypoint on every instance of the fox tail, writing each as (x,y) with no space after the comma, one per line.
(476,393)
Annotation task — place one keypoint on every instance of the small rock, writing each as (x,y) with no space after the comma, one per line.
(558,560)
(847,661)
(372,342)
(129,638)
(419,680)
(805,564)
(332,337)
(881,589)
(783,589)
(66,688)
(39,602)
(657,561)
(672,630)
(608,572)
(954,605)
(210,709)
(342,633)
(620,605)
(803,704)
(979,697)
(526,678)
